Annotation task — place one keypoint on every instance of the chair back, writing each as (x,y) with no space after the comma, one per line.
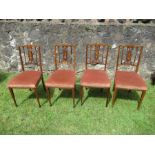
(65,54)
(97,54)
(30,55)
(129,55)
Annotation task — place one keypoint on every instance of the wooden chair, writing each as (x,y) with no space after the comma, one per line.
(30,56)
(129,56)
(63,78)
(96,54)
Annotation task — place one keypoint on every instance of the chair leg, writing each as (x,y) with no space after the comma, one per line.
(13,96)
(141,99)
(108,94)
(114,96)
(48,95)
(81,94)
(113,87)
(42,78)
(73,95)
(36,94)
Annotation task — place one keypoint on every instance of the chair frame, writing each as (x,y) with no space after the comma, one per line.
(29,48)
(64,60)
(97,47)
(128,62)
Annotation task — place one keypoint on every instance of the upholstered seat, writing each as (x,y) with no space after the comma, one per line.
(26,79)
(129,80)
(61,79)
(95,78)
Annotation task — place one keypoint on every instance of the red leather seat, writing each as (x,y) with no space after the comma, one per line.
(95,78)
(26,79)
(61,79)
(129,80)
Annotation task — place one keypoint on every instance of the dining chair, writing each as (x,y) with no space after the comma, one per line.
(129,57)
(64,76)
(30,57)
(96,54)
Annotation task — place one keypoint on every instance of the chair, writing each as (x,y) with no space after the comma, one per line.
(96,54)
(30,56)
(129,56)
(63,76)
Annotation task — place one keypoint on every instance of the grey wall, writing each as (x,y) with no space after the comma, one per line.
(80,32)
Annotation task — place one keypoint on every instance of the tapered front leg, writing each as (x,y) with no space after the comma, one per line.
(13,96)
(108,94)
(114,96)
(73,96)
(81,94)
(141,99)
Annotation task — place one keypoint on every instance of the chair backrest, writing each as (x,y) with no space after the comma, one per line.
(129,55)
(97,54)
(65,54)
(30,55)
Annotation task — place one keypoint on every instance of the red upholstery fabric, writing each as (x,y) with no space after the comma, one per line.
(26,79)
(95,78)
(61,79)
(129,80)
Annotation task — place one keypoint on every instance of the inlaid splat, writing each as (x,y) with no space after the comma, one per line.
(129,55)
(97,50)
(30,54)
(65,52)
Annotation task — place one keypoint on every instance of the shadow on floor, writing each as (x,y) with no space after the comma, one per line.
(3,76)
(41,94)
(130,95)
(67,93)
(91,92)
(95,93)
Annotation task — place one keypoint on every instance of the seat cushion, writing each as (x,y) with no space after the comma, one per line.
(26,79)
(61,79)
(129,80)
(95,78)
